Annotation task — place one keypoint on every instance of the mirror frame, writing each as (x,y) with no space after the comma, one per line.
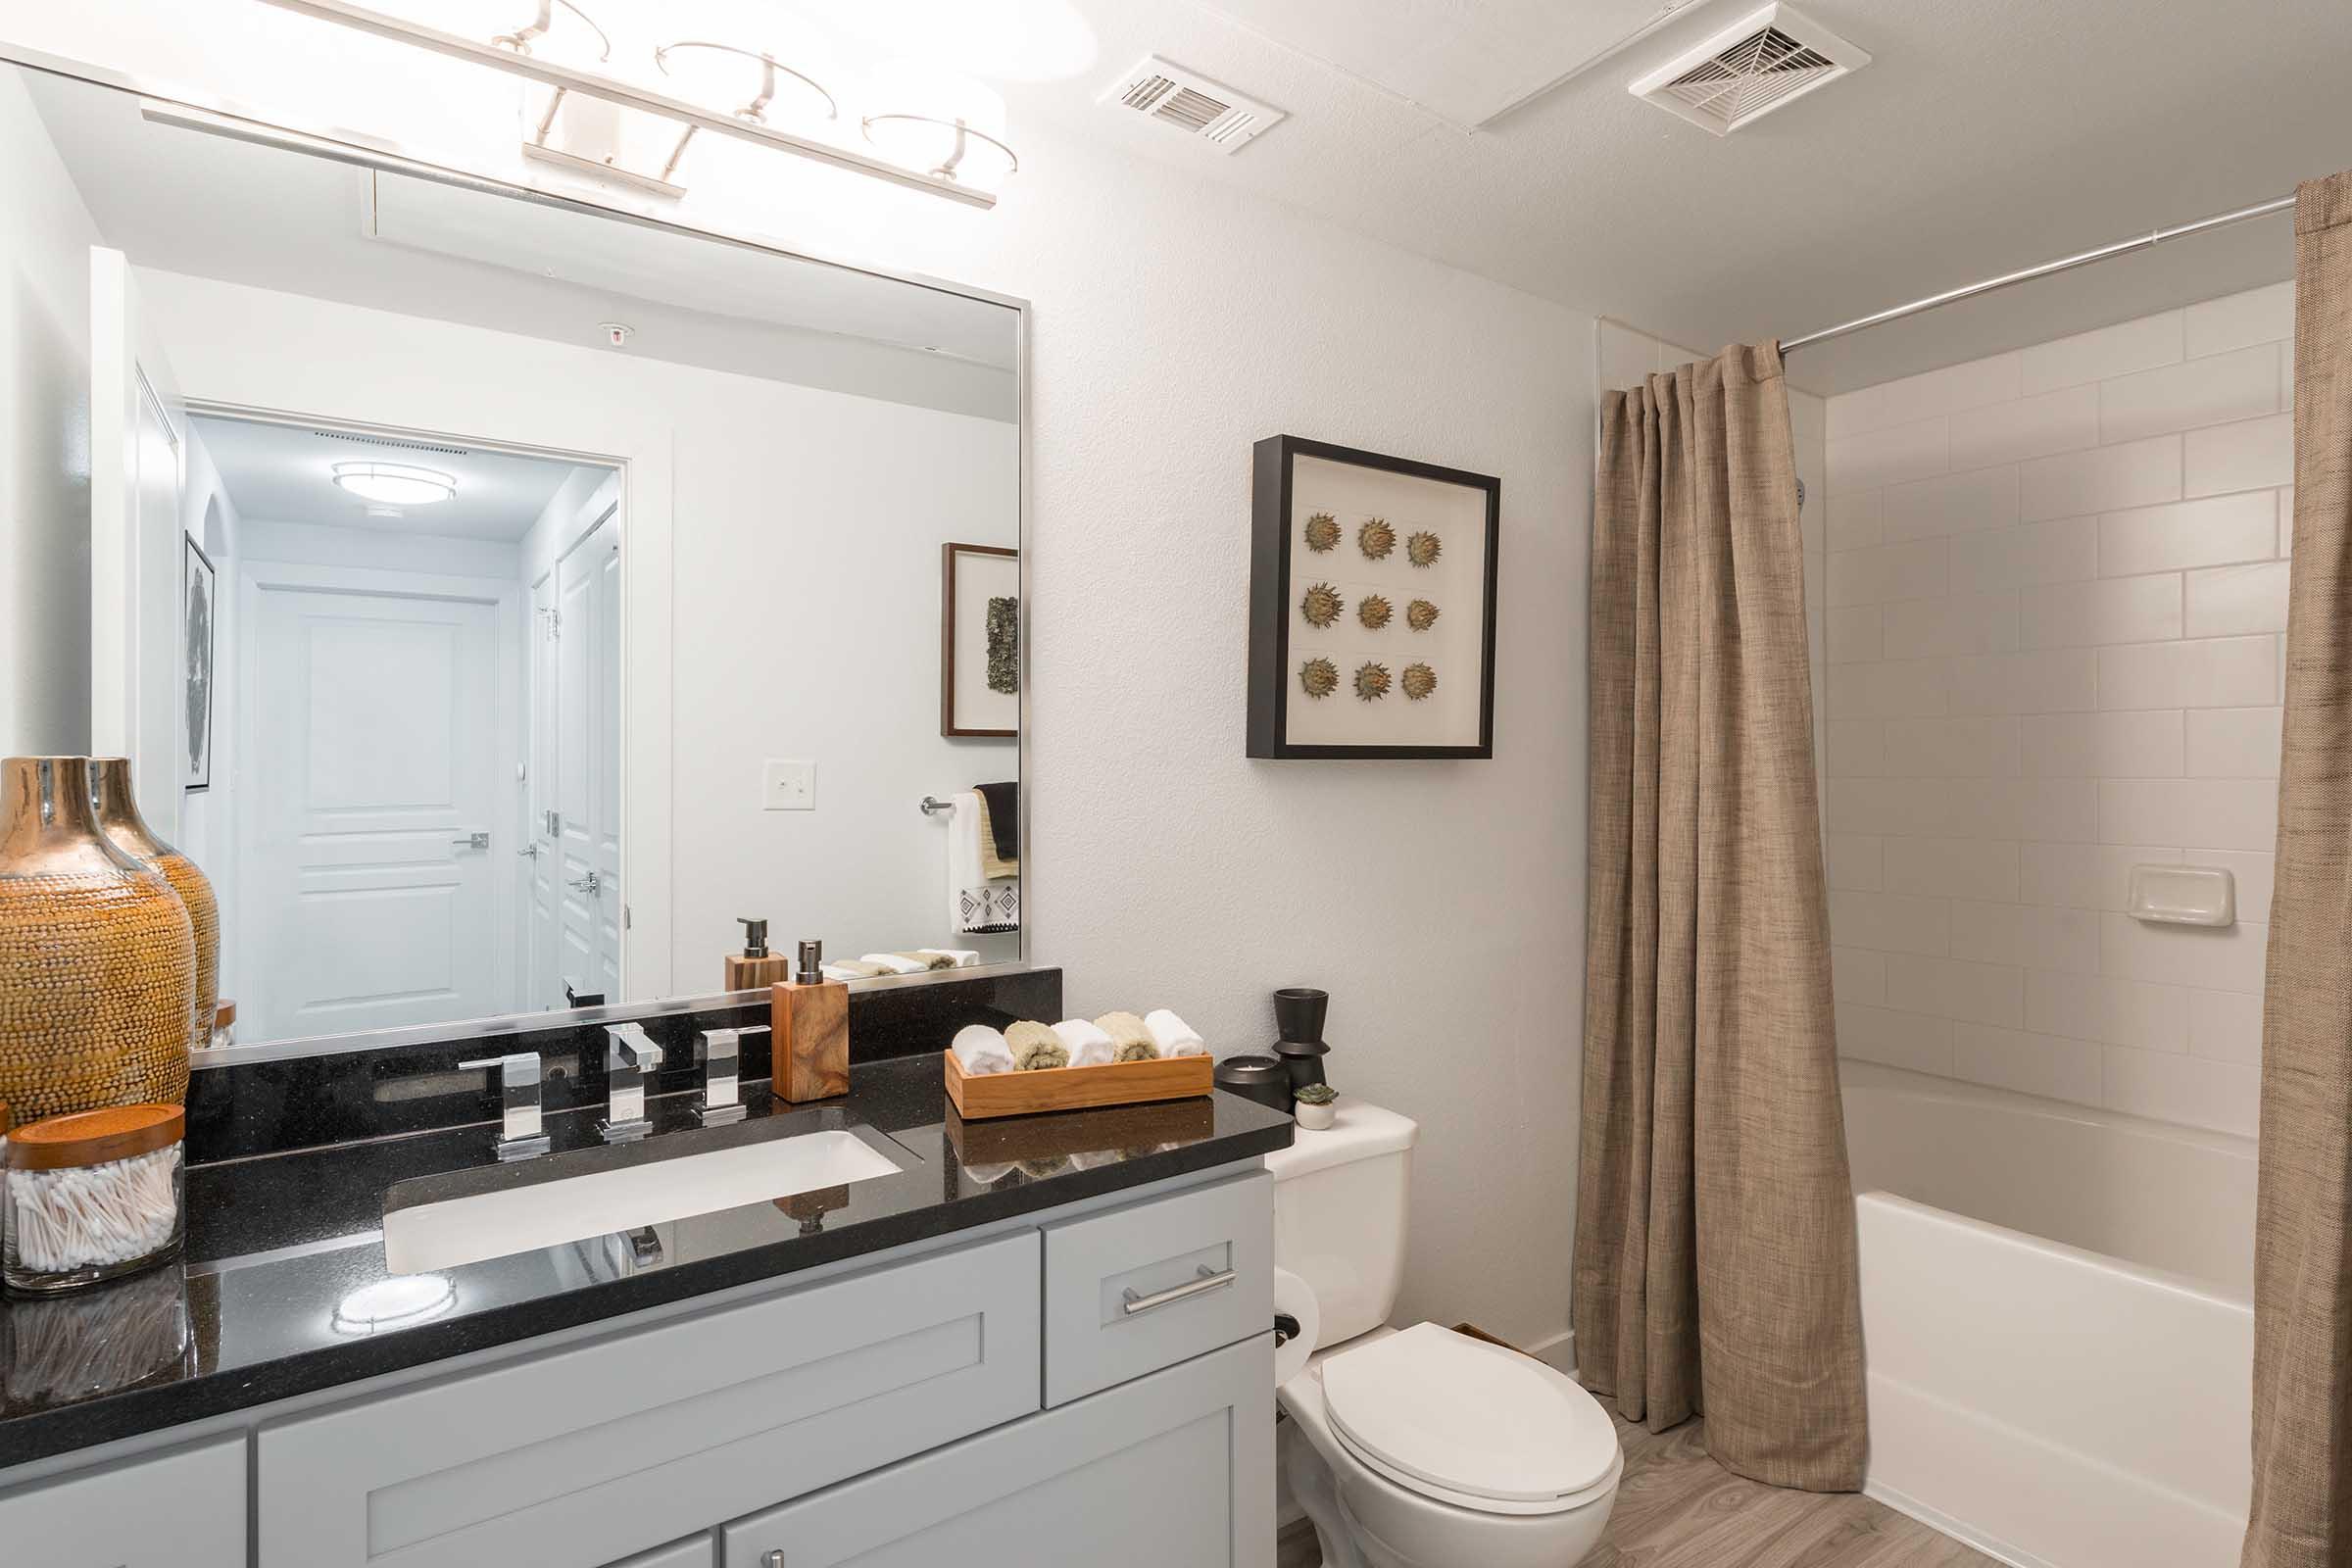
(191,110)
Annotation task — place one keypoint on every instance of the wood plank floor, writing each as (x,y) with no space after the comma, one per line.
(1677,1508)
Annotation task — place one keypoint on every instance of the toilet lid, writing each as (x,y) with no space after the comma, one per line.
(1468,1417)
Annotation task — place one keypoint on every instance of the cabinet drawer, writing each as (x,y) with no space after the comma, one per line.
(1136,1288)
(1171,1471)
(181,1510)
(580,1456)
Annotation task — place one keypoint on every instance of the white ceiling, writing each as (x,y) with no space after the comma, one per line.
(1489,57)
(1985,136)
(184,201)
(285,474)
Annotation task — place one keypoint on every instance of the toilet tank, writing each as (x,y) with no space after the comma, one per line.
(1340,1200)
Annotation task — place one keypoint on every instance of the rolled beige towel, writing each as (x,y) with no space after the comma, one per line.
(929,958)
(1036,1047)
(1130,1040)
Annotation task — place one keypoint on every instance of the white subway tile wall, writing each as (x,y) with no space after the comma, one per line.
(2056,609)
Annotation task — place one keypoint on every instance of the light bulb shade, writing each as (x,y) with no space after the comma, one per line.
(944,125)
(764,87)
(394,484)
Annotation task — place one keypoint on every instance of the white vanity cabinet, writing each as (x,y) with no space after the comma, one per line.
(577,1457)
(184,1510)
(1094,1385)
(1173,1470)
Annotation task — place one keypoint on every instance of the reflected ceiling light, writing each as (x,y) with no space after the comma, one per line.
(522,39)
(950,127)
(392,1303)
(394,484)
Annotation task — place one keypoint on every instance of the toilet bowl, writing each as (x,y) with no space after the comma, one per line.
(1418,1447)
(1416,1456)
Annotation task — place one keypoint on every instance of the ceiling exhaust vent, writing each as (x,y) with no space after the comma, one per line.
(1767,59)
(1193,103)
(393,441)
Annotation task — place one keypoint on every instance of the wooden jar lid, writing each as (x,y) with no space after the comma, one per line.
(95,1137)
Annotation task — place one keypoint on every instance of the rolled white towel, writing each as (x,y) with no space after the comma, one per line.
(1089,1046)
(895,962)
(981,1050)
(1174,1036)
(965,958)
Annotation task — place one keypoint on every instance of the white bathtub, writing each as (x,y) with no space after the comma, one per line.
(2055,1302)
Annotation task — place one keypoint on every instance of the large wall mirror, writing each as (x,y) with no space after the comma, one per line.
(500,597)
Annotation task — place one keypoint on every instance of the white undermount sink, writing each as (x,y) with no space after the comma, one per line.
(457,1231)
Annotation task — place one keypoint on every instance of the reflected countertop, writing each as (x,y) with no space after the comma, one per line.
(282,1288)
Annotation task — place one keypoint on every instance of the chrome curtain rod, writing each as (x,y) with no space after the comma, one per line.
(2064,264)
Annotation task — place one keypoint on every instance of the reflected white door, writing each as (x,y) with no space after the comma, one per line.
(587,790)
(374,767)
(137,688)
(543,889)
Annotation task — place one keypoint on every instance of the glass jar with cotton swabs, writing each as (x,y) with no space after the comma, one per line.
(92,1197)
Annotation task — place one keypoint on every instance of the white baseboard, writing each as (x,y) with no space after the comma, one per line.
(1557,1352)
(1945,1525)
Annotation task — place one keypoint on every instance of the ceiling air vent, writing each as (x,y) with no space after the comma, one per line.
(1767,59)
(393,441)
(1193,103)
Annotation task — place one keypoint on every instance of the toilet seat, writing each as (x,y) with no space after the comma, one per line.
(1470,1424)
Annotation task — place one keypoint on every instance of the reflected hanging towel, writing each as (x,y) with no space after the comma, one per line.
(999,830)
(976,902)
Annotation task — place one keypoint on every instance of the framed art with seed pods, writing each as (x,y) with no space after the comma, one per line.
(1371,605)
(979,640)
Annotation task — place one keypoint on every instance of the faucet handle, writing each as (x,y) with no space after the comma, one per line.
(723,1059)
(520,1135)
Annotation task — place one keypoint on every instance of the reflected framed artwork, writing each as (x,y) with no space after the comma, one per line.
(979,642)
(1372,585)
(198,598)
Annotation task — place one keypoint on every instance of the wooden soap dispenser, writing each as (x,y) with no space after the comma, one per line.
(755,966)
(810,1046)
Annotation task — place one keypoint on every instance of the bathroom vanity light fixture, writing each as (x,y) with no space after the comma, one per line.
(952,148)
(932,119)
(394,484)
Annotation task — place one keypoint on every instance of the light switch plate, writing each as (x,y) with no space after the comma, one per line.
(787,786)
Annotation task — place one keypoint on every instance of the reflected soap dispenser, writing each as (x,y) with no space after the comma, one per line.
(754,966)
(810,1046)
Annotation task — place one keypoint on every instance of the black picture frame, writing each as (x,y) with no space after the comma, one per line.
(953,722)
(1273,461)
(200,623)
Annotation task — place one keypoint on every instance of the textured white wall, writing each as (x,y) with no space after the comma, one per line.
(1175,322)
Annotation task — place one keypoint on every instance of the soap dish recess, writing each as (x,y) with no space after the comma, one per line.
(2184,894)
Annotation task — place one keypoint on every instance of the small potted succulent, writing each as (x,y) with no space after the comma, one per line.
(1317,1107)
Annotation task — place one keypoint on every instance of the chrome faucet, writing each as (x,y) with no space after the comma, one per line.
(520,1133)
(630,1057)
(722,1066)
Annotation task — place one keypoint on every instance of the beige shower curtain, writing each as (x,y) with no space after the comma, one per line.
(2302,1514)
(1715,1229)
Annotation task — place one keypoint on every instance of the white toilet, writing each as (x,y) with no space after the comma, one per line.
(1420,1447)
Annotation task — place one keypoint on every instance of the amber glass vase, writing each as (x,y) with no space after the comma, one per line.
(117,808)
(97,955)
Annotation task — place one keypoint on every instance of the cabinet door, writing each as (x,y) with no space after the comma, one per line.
(612,1446)
(182,1510)
(1175,1470)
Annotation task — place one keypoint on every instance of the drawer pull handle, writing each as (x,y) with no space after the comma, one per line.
(1210,1280)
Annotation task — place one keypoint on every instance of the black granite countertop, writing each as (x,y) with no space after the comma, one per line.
(283,1249)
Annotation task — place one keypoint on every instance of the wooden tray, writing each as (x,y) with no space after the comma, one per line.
(1117,1082)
